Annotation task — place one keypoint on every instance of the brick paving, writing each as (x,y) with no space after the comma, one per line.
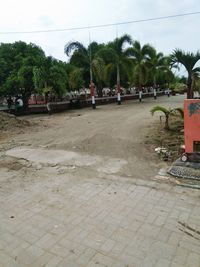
(70,221)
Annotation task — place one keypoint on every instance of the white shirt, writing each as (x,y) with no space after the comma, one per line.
(20,101)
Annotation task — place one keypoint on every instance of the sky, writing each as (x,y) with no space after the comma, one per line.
(164,35)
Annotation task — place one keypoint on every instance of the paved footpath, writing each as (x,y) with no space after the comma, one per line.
(70,221)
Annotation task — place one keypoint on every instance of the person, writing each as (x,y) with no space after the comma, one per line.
(18,105)
(168,92)
(49,108)
(9,103)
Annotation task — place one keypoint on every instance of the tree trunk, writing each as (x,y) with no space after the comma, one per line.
(100,89)
(190,94)
(25,98)
(167,122)
(154,82)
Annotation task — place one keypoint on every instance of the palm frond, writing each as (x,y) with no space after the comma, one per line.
(74,46)
(108,55)
(180,111)
(187,59)
(124,39)
(119,42)
(98,67)
(160,109)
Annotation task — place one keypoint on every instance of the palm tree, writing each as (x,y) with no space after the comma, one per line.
(87,59)
(98,67)
(110,59)
(75,79)
(79,57)
(121,60)
(140,54)
(157,63)
(188,60)
(167,113)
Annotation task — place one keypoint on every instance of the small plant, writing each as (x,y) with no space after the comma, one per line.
(167,112)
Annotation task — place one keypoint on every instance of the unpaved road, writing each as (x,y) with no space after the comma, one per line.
(109,140)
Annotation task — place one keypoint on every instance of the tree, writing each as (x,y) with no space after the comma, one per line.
(140,54)
(86,59)
(76,79)
(107,65)
(157,64)
(25,83)
(58,79)
(120,57)
(52,76)
(188,60)
(167,113)
(18,60)
(99,70)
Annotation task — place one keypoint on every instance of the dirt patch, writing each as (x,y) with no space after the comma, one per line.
(111,134)
(11,164)
(171,140)
(9,122)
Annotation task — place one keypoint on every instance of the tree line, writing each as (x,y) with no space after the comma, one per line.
(24,68)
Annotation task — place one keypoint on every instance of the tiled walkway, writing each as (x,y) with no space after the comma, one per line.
(70,221)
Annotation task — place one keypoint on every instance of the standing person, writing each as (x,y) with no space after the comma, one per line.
(168,92)
(49,108)
(154,93)
(140,95)
(9,103)
(18,105)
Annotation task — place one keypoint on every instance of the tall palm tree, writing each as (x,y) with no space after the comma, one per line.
(140,54)
(157,63)
(85,58)
(110,59)
(98,67)
(75,79)
(120,58)
(188,60)
(79,57)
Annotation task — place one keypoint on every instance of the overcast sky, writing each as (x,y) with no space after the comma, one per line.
(165,35)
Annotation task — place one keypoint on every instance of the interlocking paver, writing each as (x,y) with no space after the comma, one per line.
(99,222)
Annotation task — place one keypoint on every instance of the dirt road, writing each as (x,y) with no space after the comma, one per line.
(106,141)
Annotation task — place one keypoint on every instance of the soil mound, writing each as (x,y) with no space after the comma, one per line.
(10,122)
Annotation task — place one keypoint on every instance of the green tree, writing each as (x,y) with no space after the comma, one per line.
(76,79)
(120,57)
(140,54)
(167,112)
(58,79)
(86,59)
(18,60)
(157,64)
(98,67)
(25,83)
(188,60)
(51,77)
(107,65)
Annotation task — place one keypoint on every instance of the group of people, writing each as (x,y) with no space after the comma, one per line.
(16,104)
